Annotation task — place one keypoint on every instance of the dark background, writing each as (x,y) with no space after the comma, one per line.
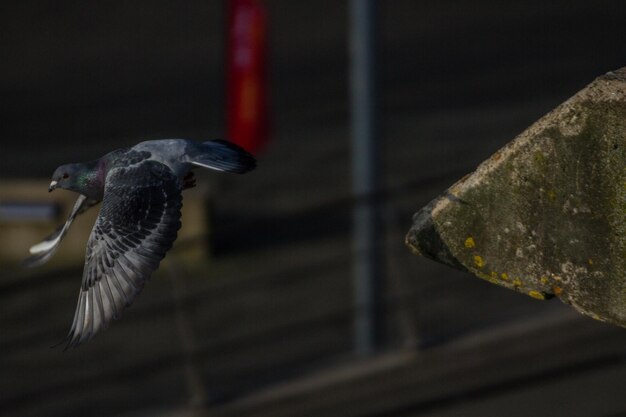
(270,317)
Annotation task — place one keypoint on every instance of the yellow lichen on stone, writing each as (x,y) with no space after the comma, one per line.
(479,261)
(469,242)
(517,282)
(543,280)
(493,277)
(536,294)
(504,276)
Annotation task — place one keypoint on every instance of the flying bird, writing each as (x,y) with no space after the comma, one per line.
(140,190)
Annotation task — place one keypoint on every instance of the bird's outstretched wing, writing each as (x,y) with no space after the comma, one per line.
(137,225)
(43,251)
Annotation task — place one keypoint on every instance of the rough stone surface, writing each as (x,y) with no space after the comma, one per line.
(546,214)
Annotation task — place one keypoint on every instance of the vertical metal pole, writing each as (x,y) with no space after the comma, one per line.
(365,177)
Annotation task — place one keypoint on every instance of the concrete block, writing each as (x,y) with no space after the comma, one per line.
(546,214)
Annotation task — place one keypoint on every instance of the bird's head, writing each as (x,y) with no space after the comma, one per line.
(67,177)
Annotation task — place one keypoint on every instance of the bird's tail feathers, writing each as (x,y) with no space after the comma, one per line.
(222,155)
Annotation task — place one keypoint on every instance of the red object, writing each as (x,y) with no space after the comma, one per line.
(246,100)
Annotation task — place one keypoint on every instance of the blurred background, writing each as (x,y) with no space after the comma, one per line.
(258,308)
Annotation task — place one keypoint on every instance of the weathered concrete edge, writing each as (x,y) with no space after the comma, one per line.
(568,121)
(425,231)
(602,89)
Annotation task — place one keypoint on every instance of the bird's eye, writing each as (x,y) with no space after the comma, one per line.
(66,176)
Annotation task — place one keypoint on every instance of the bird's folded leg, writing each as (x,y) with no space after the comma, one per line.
(189,180)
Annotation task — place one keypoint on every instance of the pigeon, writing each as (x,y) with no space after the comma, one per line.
(140,190)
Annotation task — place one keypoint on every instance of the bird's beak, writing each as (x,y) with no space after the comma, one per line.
(53,185)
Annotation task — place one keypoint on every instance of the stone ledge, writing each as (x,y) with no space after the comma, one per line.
(546,214)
